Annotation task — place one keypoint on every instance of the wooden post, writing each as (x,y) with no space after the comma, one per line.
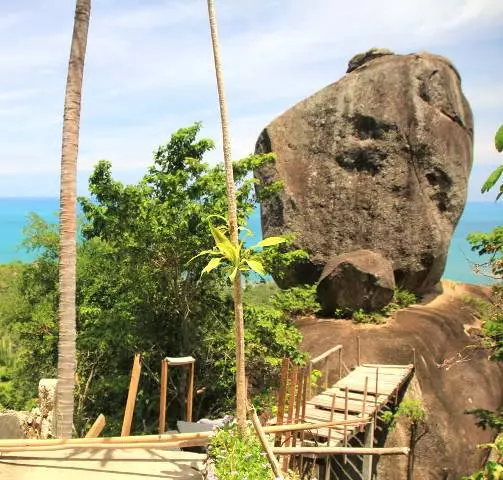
(369,443)
(97,428)
(190,393)
(364,406)
(291,404)
(340,363)
(358,350)
(414,357)
(162,403)
(265,445)
(325,366)
(327,461)
(307,379)
(377,386)
(131,398)
(346,396)
(298,400)
(280,419)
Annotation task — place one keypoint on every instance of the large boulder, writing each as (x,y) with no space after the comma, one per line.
(379,160)
(360,279)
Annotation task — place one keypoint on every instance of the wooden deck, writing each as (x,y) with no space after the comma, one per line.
(358,397)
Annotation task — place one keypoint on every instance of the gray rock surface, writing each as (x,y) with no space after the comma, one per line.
(379,160)
(359,279)
(11,425)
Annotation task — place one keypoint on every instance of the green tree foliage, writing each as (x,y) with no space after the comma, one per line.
(138,292)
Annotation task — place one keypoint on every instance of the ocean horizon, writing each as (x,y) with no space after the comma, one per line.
(477,217)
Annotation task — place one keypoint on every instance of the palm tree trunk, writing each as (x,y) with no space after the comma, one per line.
(233,224)
(68,223)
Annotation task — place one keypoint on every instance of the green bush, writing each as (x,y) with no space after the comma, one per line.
(297,300)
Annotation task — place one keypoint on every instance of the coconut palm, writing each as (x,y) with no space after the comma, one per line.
(68,222)
(233,223)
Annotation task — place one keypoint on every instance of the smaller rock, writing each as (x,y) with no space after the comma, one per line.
(359,279)
(11,425)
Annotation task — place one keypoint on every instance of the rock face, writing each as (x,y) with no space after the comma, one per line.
(379,160)
(453,374)
(360,279)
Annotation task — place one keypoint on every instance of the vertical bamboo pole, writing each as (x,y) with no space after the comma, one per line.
(340,363)
(190,393)
(298,401)
(327,460)
(291,402)
(280,419)
(325,366)
(162,402)
(358,350)
(307,379)
(131,398)
(377,386)
(364,406)
(346,396)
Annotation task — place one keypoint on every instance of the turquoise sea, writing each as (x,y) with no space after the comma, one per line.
(477,217)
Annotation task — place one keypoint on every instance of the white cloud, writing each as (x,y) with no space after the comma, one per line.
(149,68)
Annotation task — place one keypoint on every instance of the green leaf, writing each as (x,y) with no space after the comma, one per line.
(493,178)
(270,241)
(218,235)
(204,252)
(212,264)
(256,266)
(229,251)
(498,139)
(233,274)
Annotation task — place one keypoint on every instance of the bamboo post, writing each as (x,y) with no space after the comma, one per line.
(377,386)
(131,398)
(265,445)
(364,405)
(291,402)
(414,357)
(327,461)
(298,400)
(307,380)
(325,367)
(280,419)
(346,397)
(358,350)
(369,443)
(97,427)
(190,394)
(340,363)
(162,403)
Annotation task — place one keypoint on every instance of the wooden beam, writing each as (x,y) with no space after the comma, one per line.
(291,405)
(312,425)
(341,451)
(97,427)
(131,398)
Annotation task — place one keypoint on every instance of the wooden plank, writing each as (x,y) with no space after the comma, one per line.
(131,398)
(97,427)
(342,450)
(325,401)
(380,365)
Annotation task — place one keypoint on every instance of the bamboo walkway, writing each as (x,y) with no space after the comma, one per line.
(357,397)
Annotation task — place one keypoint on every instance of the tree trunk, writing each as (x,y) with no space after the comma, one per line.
(233,224)
(68,222)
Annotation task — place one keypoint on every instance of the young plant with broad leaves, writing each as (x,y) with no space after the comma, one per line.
(235,258)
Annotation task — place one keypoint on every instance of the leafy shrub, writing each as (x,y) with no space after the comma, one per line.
(240,456)
(493,470)
(259,293)
(297,300)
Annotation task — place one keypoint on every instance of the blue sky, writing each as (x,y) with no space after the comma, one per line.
(149,72)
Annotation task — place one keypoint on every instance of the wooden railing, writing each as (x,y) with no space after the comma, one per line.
(324,357)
